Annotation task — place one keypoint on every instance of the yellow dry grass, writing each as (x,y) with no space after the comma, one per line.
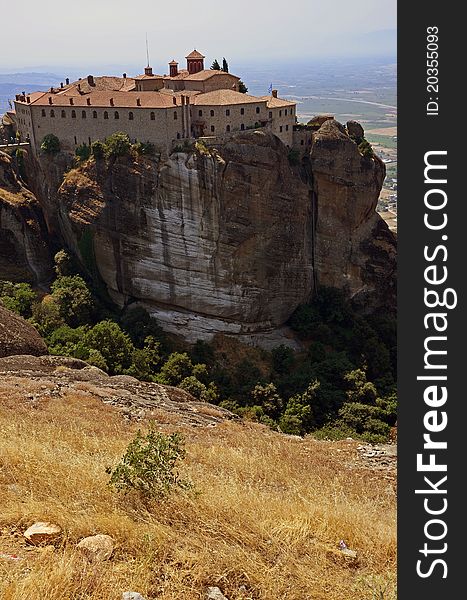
(265,523)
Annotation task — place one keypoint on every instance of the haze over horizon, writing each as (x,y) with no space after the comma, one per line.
(51,39)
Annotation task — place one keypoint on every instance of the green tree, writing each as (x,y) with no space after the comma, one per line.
(98,149)
(267,397)
(225,65)
(145,361)
(114,345)
(73,298)
(46,316)
(177,367)
(215,65)
(117,144)
(139,324)
(242,87)
(83,152)
(298,416)
(360,390)
(64,264)
(17,297)
(50,144)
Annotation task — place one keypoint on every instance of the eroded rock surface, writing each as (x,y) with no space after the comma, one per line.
(17,336)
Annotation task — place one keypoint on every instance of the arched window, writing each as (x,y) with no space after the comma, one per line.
(242,111)
(130,116)
(280,113)
(83,114)
(286,127)
(285,112)
(94,114)
(153,116)
(301,142)
(227,113)
(212,113)
(200,113)
(178,136)
(257,110)
(213,128)
(43,112)
(175,116)
(63,114)
(280,129)
(227,128)
(76,141)
(242,126)
(116,115)
(270,114)
(52,113)
(73,114)
(106,115)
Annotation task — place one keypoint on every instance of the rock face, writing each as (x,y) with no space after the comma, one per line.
(228,239)
(24,250)
(354,248)
(17,336)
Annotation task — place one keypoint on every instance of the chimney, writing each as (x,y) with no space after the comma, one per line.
(67,81)
(148,70)
(274,93)
(88,101)
(61,84)
(50,99)
(28,99)
(138,101)
(173,68)
(111,101)
(91,80)
(124,75)
(71,101)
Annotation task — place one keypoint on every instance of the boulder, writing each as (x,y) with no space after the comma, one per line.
(42,533)
(355,130)
(17,336)
(97,547)
(214,593)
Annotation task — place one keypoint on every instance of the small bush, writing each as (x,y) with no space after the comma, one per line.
(98,150)
(144,148)
(50,144)
(83,152)
(365,148)
(117,144)
(148,466)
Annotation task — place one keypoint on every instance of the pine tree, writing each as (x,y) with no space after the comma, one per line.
(216,66)
(225,65)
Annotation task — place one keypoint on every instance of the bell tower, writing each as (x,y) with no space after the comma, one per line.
(195,62)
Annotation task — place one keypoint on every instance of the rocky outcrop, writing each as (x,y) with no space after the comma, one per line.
(47,377)
(24,244)
(17,336)
(228,238)
(354,248)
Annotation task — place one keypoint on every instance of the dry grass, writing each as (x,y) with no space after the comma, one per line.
(268,516)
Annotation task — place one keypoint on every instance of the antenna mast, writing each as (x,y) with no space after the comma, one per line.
(147,48)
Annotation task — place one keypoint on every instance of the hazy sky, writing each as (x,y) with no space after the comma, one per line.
(112,32)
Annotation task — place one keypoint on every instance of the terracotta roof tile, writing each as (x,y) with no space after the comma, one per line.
(195,54)
(102,99)
(221,97)
(277,102)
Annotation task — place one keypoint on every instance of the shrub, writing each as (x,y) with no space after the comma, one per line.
(365,148)
(83,152)
(114,345)
(98,150)
(117,144)
(96,359)
(73,298)
(177,367)
(144,148)
(46,316)
(64,264)
(149,466)
(17,297)
(50,144)
(242,87)
(267,397)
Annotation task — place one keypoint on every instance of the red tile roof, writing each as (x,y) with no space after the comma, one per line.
(223,97)
(102,100)
(195,54)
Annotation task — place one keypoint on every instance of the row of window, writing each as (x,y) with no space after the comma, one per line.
(94,114)
(152,115)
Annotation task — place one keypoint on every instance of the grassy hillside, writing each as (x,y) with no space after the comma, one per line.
(265,521)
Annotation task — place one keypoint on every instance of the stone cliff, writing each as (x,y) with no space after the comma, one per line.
(226,239)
